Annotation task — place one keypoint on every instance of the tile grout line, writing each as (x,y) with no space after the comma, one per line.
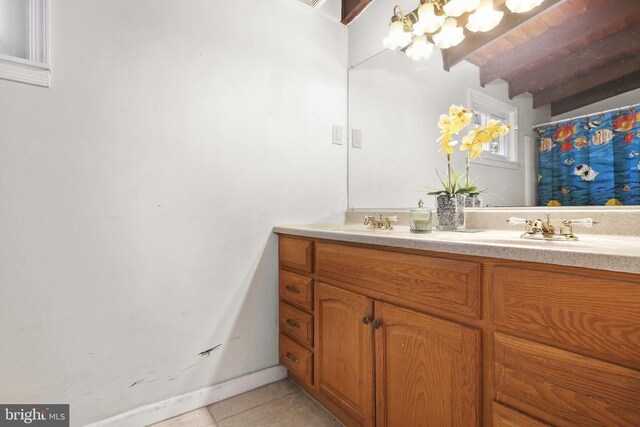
(249,409)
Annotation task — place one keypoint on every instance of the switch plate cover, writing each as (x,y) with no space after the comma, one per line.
(356,138)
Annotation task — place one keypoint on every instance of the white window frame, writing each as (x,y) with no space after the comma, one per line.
(36,70)
(479,101)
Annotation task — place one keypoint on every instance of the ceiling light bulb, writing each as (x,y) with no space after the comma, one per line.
(450,35)
(398,37)
(428,21)
(522,6)
(485,18)
(420,48)
(458,7)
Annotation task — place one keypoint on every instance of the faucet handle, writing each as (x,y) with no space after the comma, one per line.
(516,221)
(587,222)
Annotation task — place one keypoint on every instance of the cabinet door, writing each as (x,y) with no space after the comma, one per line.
(427,370)
(344,352)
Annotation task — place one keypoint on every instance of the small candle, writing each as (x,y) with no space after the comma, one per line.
(421,219)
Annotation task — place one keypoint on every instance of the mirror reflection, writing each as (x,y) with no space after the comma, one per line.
(566,95)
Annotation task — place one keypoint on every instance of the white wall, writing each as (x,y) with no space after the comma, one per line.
(396,103)
(622,100)
(137,195)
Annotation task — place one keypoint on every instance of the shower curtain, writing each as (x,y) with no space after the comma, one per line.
(593,160)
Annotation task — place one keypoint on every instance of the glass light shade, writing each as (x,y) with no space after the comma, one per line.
(456,8)
(485,18)
(420,48)
(522,6)
(428,21)
(449,35)
(398,37)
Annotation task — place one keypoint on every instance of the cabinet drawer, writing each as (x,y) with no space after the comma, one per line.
(296,289)
(504,416)
(296,253)
(296,323)
(443,286)
(564,388)
(297,359)
(587,314)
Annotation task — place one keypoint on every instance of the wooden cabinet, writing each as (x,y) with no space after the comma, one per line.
(395,337)
(427,370)
(344,354)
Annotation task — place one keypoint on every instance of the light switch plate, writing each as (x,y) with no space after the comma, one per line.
(336,133)
(356,138)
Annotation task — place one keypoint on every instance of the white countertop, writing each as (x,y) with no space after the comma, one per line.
(603,252)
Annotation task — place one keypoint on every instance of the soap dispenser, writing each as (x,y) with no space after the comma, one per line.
(421,219)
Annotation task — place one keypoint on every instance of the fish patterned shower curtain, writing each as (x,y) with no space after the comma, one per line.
(591,161)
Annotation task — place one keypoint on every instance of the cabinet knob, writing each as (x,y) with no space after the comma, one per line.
(376,324)
(292,289)
(291,357)
(365,320)
(293,323)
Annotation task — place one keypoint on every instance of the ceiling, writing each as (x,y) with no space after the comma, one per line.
(567,53)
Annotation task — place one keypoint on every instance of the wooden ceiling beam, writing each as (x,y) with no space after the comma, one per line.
(476,41)
(613,48)
(352,8)
(577,84)
(597,17)
(616,87)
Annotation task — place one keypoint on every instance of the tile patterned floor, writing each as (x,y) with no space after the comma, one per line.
(280,404)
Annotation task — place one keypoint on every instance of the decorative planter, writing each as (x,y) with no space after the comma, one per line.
(473,201)
(450,211)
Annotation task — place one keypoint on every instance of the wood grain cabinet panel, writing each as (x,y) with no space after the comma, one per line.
(503,416)
(441,285)
(595,315)
(296,289)
(297,359)
(344,351)
(427,370)
(296,323)
(563,388)
(296,253)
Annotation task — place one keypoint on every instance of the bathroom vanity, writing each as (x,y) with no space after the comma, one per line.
(394,329)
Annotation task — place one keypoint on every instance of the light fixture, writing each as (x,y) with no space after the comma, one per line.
(420,48)
(398,37)
(449,35)
(456,8)
(411,32)
(522,6)
(428,21)
(485,18)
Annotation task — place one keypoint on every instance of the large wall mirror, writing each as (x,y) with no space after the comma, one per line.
(570,66)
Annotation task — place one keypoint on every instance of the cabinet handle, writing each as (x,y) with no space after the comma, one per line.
(291,357)
(365,320)
(292,289)
(293,323)
(376,324)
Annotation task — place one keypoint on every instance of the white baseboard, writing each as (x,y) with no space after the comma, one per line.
(159,411)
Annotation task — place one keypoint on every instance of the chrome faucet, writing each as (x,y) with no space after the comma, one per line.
(381,222)
(536,229)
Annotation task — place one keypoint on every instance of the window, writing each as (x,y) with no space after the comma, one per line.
(504,151)
(24,42)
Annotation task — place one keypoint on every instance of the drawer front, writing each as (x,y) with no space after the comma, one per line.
(296,253)
(595,316)
(504,416)
(296,323)
(297,359)
(443,286)
(564,388)
(296,289)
